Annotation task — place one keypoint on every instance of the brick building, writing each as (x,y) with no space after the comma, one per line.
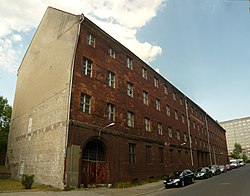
(87,110)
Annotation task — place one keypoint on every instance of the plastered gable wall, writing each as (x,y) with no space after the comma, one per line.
(38,132)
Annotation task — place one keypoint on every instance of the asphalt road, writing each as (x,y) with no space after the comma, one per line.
(235,183)
(232,183)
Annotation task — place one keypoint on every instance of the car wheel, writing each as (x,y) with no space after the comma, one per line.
(182,183)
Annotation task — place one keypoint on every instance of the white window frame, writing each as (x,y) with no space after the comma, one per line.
(166,90)
(130,119)
(170,132)
(91,39)
(145,97)
(168,110)
(85,103)
(158,104)
(130,89)
(111,112)
(160,129)
(87,67)
(147,124)
(129,63)
(174,96)
(112,52)
(111,79)
(144,73)
(156,82)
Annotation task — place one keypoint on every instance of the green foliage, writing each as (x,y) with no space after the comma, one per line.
(244,157)
(5,116)
(237,151)
(27,181)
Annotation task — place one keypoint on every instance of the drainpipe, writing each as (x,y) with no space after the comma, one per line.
(209,147)
(189,134)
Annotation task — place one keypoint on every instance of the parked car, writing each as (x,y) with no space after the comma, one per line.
(235,163)
(179,178)
(241,162)
(223,168)
(215,169)
(229,167)
(202,173)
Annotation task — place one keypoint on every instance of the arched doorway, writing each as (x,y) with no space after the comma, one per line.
(94,164)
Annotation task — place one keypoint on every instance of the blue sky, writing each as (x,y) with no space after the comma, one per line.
(201,46)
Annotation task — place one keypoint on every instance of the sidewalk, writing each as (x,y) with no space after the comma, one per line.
(145,189)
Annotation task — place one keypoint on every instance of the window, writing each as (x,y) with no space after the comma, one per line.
(195,141)
(170,133)
(174,96)
(161,155)
(181,101)
(178,135)
(111,52)
(144,73)
(176,115)
(145,97)
(147,124)
(198,127)
(148,154)
(130,119)
(158,104)
(91,39)
(156,83)
(193,124)
(130,89)
(168,110)
(111,79)
(192,109)
(182,118)
(165,89)
(87,67)
(132,153)
(85,103)
(160,128)
(111,112)
(129,63)
(185,137)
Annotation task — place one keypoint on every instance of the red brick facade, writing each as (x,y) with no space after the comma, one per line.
(132,152)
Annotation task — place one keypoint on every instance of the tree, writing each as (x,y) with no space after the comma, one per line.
(237,151)
(5,116)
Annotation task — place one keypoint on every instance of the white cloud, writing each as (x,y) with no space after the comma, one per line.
(120,18)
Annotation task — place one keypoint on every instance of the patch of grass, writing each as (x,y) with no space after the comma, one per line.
(10,185)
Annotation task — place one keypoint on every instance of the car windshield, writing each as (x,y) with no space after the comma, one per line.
(176,174)
(201,170)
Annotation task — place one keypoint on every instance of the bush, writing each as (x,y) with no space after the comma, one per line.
(27,181)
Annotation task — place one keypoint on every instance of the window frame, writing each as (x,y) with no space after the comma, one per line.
(111,112)
(111,79)
(147,124)
(130,119)
(130,89)
(85,102)
(87,67)
(91,39)
(129,63)
(145,97)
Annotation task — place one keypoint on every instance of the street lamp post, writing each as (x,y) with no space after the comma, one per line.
(100,130)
